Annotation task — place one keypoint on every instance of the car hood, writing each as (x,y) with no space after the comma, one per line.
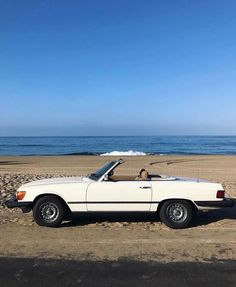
(60,180)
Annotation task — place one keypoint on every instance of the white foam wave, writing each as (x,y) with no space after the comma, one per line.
(124,153)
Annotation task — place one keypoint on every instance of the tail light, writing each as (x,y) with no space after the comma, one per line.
(20,195)
(220,194)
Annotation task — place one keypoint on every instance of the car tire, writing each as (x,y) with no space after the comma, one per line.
(176,214)
(49,211)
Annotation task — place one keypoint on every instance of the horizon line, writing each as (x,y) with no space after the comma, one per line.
(161,135)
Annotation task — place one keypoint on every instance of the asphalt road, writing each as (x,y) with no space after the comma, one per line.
(44,272)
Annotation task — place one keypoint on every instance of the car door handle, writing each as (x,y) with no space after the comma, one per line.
(145,187)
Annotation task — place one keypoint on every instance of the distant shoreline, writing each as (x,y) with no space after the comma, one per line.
(115,156)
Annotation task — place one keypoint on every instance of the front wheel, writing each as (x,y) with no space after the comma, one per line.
(49,211)
(176,213)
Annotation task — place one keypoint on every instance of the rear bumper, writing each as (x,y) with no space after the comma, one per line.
(227,202)
(13,202)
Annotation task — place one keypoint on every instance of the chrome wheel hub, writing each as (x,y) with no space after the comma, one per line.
(49,212)
(177,212)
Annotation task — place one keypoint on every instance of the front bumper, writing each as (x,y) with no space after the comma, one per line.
(13,202)
(226,202)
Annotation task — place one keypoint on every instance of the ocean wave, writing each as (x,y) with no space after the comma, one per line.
(124,153)
(82,153)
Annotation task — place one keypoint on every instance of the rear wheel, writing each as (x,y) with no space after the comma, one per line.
(49,211)
(176,213)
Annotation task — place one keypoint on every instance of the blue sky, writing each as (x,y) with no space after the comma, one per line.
(117,67)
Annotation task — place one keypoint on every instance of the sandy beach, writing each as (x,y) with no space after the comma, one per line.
(212,235)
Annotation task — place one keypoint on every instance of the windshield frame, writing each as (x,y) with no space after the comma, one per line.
(101,172)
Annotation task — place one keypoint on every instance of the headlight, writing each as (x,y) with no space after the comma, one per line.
(20,195)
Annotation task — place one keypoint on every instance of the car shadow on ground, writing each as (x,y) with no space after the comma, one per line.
(205,218)
(202,218)
(100,218)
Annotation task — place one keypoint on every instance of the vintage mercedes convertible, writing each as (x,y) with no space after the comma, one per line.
(174,199)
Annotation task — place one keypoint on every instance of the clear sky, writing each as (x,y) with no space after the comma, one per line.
(117,67)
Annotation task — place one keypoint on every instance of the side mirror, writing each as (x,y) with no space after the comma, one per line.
(105,177)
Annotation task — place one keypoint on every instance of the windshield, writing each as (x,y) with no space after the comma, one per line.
(97,174)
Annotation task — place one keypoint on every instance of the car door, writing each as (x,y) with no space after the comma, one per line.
(119,196)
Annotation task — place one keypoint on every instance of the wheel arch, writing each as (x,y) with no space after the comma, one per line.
(53,195)
(181,199)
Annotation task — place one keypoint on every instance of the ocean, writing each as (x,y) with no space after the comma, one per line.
(118,145)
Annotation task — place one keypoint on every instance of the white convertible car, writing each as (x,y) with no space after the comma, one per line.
(175,199)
